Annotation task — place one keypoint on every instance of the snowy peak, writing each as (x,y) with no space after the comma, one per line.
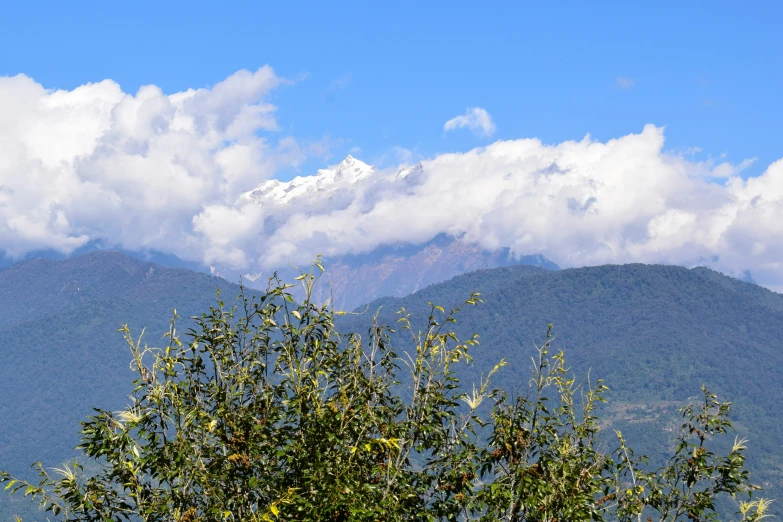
(326,181)
(350,162)
(350,169)
(410,174)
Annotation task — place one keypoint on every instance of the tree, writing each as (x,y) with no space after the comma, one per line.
(263,411)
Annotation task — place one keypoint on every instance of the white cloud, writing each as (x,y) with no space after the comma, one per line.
(96,162)
(152,170)
(579,203)
(476,119)
(625,83)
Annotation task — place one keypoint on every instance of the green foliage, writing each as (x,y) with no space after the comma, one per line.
(654,334)
(60,355)
(264,412)
(688,485)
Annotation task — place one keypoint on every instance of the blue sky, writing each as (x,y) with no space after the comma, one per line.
(145,125)
(381,75)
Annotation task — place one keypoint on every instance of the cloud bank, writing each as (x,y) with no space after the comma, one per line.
(98,163)
(170,172)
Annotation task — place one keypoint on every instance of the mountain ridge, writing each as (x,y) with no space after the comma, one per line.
(61,354)
(348,173)
(653,333)
(399,270)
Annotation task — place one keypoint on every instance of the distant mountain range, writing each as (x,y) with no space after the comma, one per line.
(655,333)
(391,270)
(402,269)
(152,256)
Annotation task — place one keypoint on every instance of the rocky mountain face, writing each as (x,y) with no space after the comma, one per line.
(402,269)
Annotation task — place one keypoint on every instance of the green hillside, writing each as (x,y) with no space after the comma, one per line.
(61,354)
(654,333)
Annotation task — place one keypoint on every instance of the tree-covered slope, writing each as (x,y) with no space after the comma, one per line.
(60,353)
(653,333)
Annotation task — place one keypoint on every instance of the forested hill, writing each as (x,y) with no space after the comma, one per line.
(39,288)
(654,333)
(60,353)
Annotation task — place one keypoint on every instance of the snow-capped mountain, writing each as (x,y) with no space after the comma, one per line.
(343,178)
(410,174)
(349,173)
(389,269)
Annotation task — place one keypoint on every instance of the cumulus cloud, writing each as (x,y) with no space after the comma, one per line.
(131,169)
(171,172)
(476,119)
(579,203)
